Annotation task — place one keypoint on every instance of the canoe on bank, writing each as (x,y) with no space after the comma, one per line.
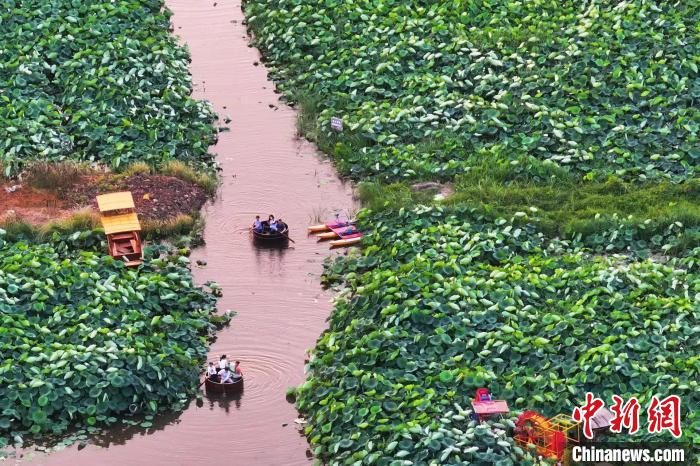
(326,235)
(224,388)
(328,226)
(343,234)
(341,243)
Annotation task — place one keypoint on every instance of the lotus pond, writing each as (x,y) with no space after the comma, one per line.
(428,89)
(99,81)
(441,302)
(86,342)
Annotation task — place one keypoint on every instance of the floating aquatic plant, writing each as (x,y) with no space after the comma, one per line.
(600,87)
(439,303)
(85,341)
(98,81)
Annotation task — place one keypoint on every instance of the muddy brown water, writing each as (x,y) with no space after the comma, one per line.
(281,307)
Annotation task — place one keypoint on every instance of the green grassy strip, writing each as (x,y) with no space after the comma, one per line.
(183,225)
(558,203)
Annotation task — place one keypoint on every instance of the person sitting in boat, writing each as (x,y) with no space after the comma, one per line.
(211,372)
(237,372)
(338,222)
(223,362)
(257,224)
(225,376)
(272,223)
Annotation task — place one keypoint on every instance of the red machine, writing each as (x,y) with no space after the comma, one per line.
(485,407)
(552,436)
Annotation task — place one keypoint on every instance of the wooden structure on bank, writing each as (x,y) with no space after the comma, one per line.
(122,227)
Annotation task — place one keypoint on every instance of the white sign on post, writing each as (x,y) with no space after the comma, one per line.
(337,123)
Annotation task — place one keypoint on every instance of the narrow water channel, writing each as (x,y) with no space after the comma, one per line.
(281,306)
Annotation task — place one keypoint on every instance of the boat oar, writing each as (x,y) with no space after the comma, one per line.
(290,239)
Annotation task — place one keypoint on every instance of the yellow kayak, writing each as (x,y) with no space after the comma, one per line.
(327,226)
(318,228)
(327,235)
(341,243)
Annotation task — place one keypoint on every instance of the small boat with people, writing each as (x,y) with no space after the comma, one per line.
(217,387)
(271,231)
(221,378)
(342,233)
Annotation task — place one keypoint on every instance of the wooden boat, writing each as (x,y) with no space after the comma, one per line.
(121,225)
(223,388)
(269,237)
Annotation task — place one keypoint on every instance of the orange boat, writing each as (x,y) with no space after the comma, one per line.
(344,233)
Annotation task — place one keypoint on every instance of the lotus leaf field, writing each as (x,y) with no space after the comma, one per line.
(86,342)
(507,99)
(441,302)
(443,298)
(99,81)
(428,89)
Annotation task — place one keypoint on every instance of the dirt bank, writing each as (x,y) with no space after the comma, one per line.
(156,197)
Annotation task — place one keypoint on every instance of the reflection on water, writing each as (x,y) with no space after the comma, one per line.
(270,259)
(120,435)
(221,401)
(281,308)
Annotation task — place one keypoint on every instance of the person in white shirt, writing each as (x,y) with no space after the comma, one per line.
(223,362)
(272,223)
(225,376)
(211,372)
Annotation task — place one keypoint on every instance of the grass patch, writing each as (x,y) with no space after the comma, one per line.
(19,229)
(378,197)
(83,220)
(309,107)
(16,227)
(179,225)
(184,172)
(560,206)
(137,168)
(567,208)
(54,175)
